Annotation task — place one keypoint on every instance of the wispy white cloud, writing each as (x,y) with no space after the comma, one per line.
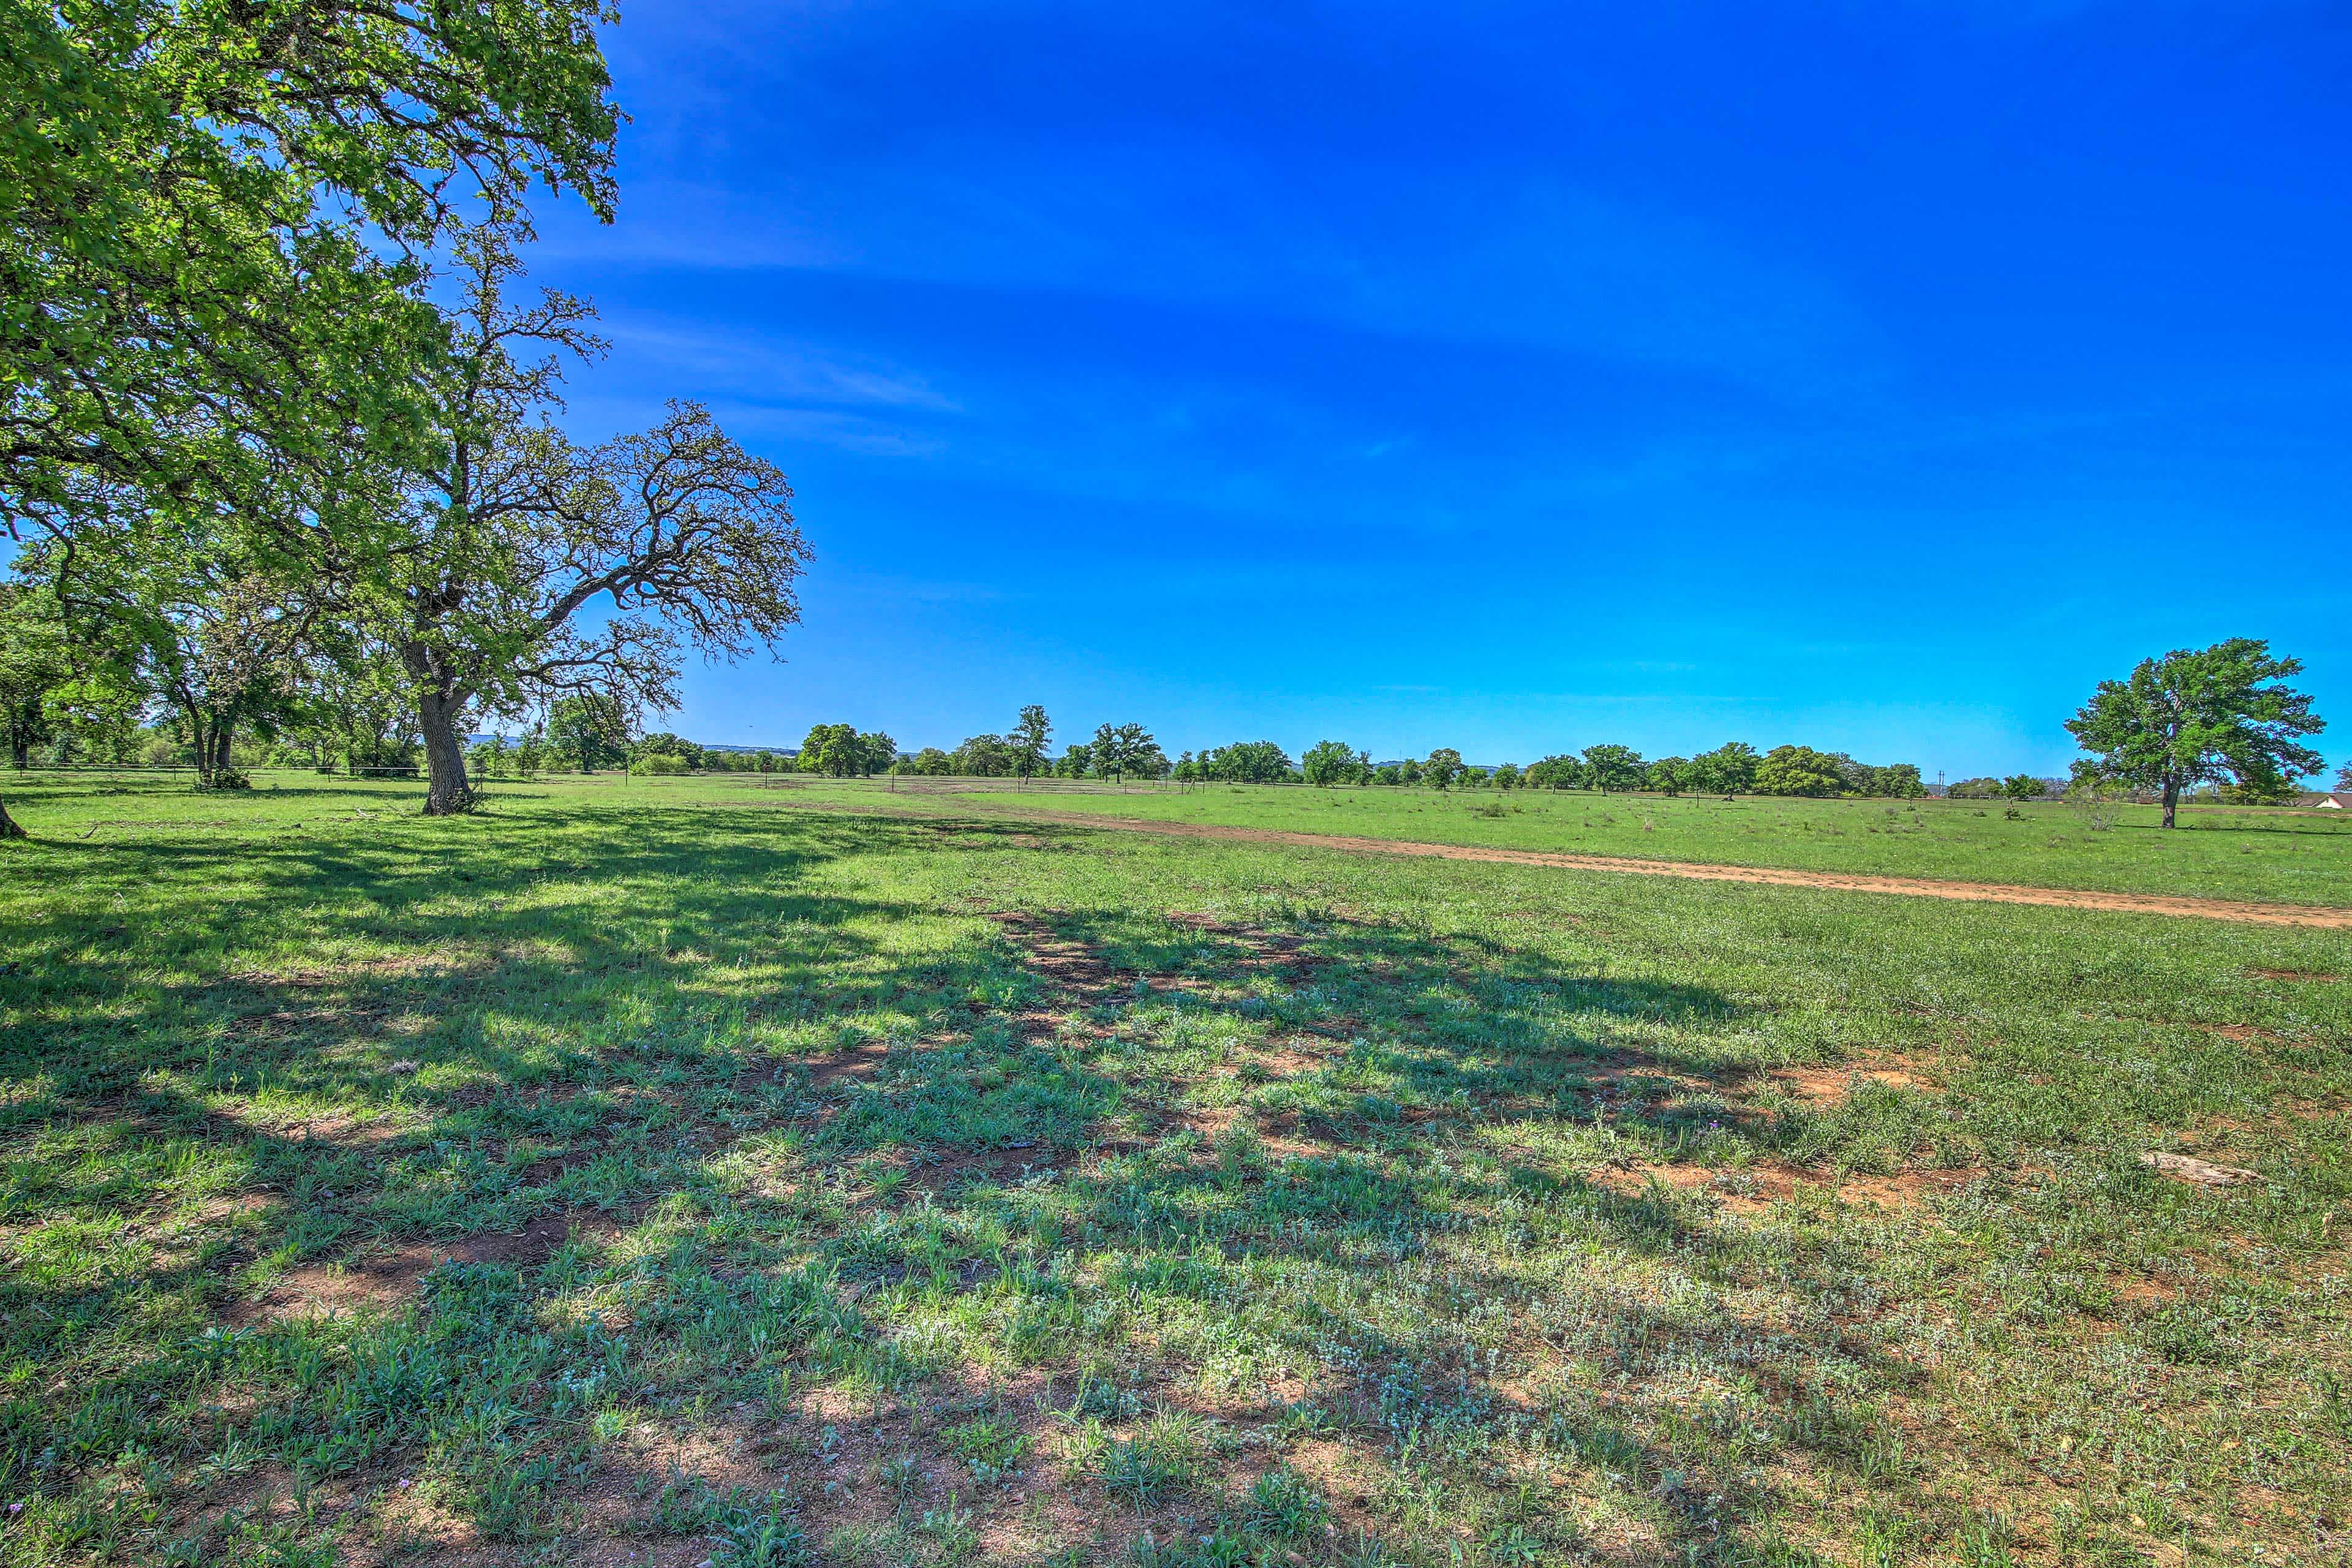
(781,370)
(827,428)
(1495,256)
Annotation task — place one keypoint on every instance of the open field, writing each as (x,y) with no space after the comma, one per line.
(676,1172)
(2332,916)
(2261,854)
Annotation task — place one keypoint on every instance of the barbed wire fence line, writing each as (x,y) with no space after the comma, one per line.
(968,783)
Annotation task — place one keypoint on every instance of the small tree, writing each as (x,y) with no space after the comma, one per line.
(829,749)
(2097,805)
(217,636)
(985,757)
(1898,780)
(1247,761)
(589,732)
(662,743)
(360,714)
(1611,768)
(1556,773)
(1108,751)
(2199,716)
(36,663)
(1729,769)
(1120,751)
(1799,770)
(1334,762)
(34,667)
(1443,766)
(2022,787)
(1028,740)
(842,751)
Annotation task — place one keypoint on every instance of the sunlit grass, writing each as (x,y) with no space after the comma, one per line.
(2263,854)
(684,1170)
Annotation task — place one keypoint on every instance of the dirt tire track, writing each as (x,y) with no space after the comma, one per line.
(2307,915)
(1839,881)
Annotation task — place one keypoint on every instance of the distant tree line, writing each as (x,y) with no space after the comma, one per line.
(1129,751)
(248,688)
(2220,718)
(2015,787)
(1117,751)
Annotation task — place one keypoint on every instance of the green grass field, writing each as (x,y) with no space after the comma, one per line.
(676,1173)
(2265,854)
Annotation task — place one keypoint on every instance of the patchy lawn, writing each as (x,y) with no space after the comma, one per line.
(668,1176)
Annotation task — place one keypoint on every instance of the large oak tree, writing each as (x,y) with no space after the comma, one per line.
(2199,716)
(513,536)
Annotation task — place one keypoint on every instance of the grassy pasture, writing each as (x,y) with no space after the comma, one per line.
(2262,854)
(659,1174)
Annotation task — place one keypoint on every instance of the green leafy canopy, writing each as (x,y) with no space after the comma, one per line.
(2199,715)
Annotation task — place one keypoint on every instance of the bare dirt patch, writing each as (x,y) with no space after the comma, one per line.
(2312,977)
(376,1281)
(1904,1189)
(1073,965)
(1756,1190)
(340,1128)
(1261,950)
(826,1453)
(856,1062)
(405,1525)
(262,1493)
(2242,1034)
(939,1173)
(1828,1086)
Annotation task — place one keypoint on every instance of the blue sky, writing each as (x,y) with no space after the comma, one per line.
(1875,375)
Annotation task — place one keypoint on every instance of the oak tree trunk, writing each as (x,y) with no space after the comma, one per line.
(2171,800)
(447,793)
(9,827)
(203,747)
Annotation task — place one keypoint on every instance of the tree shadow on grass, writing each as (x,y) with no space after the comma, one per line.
(1345,1260)
(498,1057)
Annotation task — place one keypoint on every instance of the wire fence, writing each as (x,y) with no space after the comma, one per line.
(416,772)
(966,783)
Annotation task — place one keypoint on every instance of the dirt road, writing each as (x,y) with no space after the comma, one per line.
(1913,887)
